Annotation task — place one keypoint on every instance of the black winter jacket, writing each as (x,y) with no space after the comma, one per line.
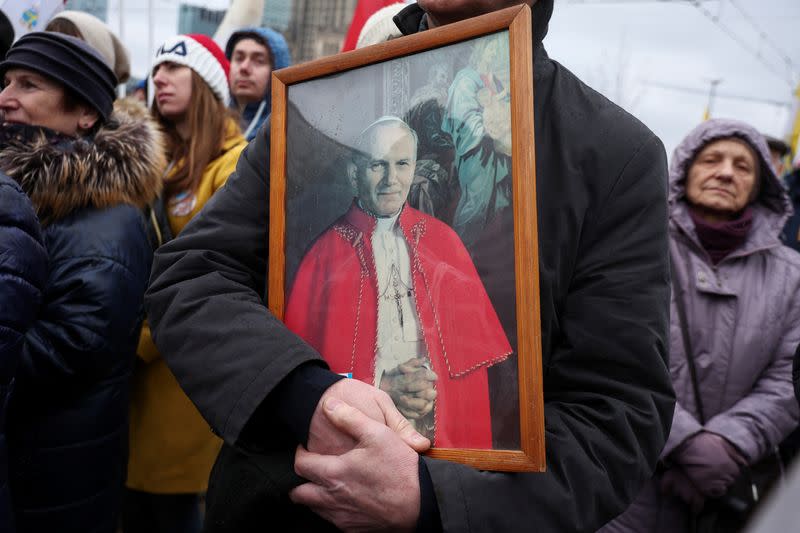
(604,281)
(68,421)
(23,270)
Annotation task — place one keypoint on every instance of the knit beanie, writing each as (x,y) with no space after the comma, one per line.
(95,32)
(69,61)
(380,26)
(201,54)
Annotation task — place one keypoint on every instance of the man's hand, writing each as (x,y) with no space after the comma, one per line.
(325,438)
(374,486)
(412,388)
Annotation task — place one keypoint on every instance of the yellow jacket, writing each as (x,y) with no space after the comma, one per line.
(172,448)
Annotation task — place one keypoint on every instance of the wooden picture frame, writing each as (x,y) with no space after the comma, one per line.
(318,109)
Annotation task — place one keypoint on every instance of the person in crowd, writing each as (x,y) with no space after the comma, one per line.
(604,279)
(23,271)
(779,150)
(791,231)
(254,53)
(94,31)
(735,323)
(171,447)
(6,34)
(89,170)
(140,91)
(436,329)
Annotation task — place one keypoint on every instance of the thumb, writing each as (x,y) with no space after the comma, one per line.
(402,427)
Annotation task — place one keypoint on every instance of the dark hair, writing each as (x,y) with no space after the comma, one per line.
(258,38)
(73,101)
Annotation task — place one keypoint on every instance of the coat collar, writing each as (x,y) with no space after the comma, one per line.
(121,164)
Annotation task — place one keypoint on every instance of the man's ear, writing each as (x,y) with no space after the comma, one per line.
(352,174)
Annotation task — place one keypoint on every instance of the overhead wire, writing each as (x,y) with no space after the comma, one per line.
(744,44)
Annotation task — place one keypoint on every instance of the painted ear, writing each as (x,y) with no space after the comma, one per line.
(352,174)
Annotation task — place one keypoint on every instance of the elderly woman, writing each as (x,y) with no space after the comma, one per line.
(88,171)
(735,324)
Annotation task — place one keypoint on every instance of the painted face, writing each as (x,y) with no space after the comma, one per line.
(173,89)
(441,12)
(383,184)
(722,178)
(34,99)
(250,71)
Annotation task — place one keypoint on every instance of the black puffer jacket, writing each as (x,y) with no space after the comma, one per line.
(23,270)
(68,415)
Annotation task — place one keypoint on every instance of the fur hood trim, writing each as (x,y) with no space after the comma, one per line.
(123,163)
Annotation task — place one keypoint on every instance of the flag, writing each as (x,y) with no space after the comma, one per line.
(26,16)
(364,10)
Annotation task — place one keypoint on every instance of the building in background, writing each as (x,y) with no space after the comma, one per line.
(277,14)
(318,27)
(313,28)
(98,8)
(195,19)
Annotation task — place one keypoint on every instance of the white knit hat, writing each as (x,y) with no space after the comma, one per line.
(380,26)
(201,54)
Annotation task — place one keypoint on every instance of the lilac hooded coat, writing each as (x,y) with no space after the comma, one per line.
(744,323)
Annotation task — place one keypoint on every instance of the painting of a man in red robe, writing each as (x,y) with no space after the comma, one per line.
(390,296)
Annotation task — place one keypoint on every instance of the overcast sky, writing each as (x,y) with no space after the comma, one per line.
(629,49)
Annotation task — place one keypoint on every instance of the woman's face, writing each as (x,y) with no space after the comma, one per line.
(173,84)
(722,178)
(33,99)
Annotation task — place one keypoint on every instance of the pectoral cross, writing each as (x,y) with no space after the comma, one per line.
(401,290)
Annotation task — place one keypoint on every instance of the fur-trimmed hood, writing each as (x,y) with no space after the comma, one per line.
(122,163)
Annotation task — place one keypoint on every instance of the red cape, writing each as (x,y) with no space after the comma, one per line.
(333,306)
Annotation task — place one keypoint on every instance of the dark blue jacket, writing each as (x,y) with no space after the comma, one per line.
(23,270)
(68,415)
(791,231)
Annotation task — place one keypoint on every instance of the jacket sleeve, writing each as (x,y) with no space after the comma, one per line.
(758,422)
(608,397)
(90,303)
(23,271)
(684,425)
(205,303)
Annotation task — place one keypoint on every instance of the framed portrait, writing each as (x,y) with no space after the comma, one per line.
(403,242)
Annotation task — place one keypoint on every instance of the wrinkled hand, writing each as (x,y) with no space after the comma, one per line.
(675,483)
(710,462)
(374,486)
(412,388)
(326,438)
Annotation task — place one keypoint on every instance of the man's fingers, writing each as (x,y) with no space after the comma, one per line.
(348,419)
(413,402)
(427,394)
(315,467)
(400,425)
(412,364)
(309,494)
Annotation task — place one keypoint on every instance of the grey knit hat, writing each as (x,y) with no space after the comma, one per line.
(69,61)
